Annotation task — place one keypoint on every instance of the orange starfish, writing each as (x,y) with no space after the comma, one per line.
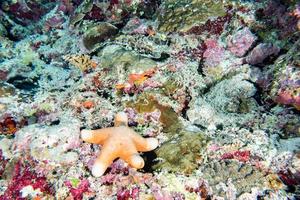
(119,141)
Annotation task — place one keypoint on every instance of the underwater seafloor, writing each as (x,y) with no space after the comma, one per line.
(217,83)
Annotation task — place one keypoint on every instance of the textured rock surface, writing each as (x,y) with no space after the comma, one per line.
(183,72)
(49,143)
(262,52)
(124,62)
(221,104)
(182,154)
(241,42)
(182,15)
(98,33)
(244,177)
(285,87)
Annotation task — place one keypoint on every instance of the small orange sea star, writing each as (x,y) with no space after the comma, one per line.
(119,141)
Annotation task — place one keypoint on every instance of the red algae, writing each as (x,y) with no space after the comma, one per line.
(242,156)
(126,194)
(77,192)
(214,27)
(23,176)
(10,126)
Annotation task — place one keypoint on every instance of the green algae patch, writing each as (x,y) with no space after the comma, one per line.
(124,62)
(182,154)
(170,87)
(146,102)
(183,15)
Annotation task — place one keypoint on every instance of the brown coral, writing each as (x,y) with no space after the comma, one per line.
(83,62)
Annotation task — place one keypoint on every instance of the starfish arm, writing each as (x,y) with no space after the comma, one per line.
(96,136)
(134,160)
(105,159)
(144,144)
(121,119)
(130,155)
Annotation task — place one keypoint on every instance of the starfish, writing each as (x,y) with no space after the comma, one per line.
(119,141)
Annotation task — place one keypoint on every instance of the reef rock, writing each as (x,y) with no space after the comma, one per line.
(225,100)
(285,87)
(241,42)
(97,34)
(243,177)
(261,52)
(124,61)
(49,143)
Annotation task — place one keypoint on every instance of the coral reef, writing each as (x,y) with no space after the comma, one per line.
(214,85)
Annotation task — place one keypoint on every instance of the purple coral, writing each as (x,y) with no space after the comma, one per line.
(27,12)
(241,42)
(261,52)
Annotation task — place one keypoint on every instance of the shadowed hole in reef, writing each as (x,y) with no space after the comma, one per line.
(24,83)
(164,56)
(149,158)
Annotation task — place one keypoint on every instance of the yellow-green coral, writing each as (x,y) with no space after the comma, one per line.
(182,15)
(182,154)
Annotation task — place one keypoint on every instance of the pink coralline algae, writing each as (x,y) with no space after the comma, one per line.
(117,169)
(3,75)
(241,42)
(214,27)
(159,193)
(296,13)
(289,97)
(261,52)
(22,177)
(242,156)
(77,192)
(287,86)
(126,194)
(66,6)
(95,14)
(213,54)
(289,178)
(54,22)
